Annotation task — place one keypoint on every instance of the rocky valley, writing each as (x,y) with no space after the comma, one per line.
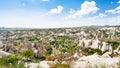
(80,47)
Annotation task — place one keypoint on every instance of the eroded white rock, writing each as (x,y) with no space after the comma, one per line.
(32,65)
(4,54)
(96,61)
(44,64)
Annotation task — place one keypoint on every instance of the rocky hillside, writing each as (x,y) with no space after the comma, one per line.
(84,47)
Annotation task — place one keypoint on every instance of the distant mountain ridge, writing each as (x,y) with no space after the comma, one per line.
(23,28)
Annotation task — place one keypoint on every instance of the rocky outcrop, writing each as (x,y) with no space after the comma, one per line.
(117,50)
(42,64)
(31,65)
(10,48)
(96,61)
(1,44)
(55,52)
(4,54)
(106,47)
(96,44)
(107,55)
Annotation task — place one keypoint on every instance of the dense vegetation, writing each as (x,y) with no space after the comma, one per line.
(18,60)
(64,44)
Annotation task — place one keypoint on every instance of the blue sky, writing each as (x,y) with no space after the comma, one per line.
(58,13)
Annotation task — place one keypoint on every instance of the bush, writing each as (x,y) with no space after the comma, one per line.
(32,38)
(61,66)
(11,62)
(115,45)
(49,51)
(118,34)
(20,38)
(12,59)
(17,60)
(71,50)
(92,51)
(105,34)
(64,50)
(28,54)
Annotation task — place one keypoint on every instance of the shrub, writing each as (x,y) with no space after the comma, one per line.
(32,38)
(105,34)
(28,54)
(12,59)
(118,34)
(49,51)
(71,50)
(20,38)
(92,51)
(17,60)
(64,50)
(11,62)
(115,45)
(61,66)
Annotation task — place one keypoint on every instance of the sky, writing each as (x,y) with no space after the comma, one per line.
(58,13)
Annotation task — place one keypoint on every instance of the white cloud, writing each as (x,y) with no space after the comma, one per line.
(119,1)
(102,15)
(56,10)
(72,11)
(86,8)
(44,0)
(99,16)
(111,20)
(34,19)
(114,11)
